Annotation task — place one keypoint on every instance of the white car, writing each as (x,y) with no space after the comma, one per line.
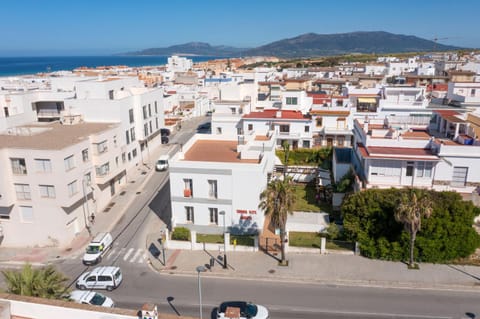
(104,277)
(241,310)
(91,298)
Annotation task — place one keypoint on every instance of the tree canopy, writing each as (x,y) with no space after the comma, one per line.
(369,218)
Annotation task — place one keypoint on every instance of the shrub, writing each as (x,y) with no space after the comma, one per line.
(181,233)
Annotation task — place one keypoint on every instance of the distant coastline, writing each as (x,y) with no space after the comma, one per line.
(17,66)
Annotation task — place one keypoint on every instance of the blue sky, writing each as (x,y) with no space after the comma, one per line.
(80,27)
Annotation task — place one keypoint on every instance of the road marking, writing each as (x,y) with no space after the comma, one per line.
(128,253)
(137,254)
(144,258)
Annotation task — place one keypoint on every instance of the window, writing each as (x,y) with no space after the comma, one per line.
(69,163)
(189,214)
(145,129)
(319,121)
(284,128)
(85,155)
(234,110)
(26,214)
(424,169)
(156,108)
(149,110)
(144,109)
(47,191)
(110,94)
(103,169)
(43,165)
(212,189)
(340,140)
(385,168)
(472,93)
(409,171)
(213,215)
(115,140)
(306,144)
(150,124)
(339,102)
(87,179)
(307,128)
(156,123)
(72,188)
(124,157)
(219,130)
(292,101)
(459,177)
(132,134)
(101,147)
(188,188)
(134,152)
(127,137)
(18,166)
(130,116)
(250,127)
(23,191)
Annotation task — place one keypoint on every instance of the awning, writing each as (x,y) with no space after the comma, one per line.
(367,100)
(6,210)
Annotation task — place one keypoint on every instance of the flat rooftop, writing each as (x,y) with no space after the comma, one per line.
(216,151)
(50,136)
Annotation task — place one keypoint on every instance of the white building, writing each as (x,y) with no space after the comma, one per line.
(291,126)
(179,64)
(215,174)
(55,176)
(464,92)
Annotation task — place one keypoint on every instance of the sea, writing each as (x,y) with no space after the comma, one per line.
(11,66)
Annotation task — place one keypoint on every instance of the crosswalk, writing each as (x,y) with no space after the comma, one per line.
(130,255)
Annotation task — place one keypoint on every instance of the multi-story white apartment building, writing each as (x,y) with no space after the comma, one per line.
(291,126)
(218,179)
(54,177)
(227,116)
(464,92)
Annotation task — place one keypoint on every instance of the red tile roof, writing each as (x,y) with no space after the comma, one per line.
(272,114)
(401,153)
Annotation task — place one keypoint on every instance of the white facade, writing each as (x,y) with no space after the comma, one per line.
(179,64)
(202,186)
(227,117)
(55,177)
(465,92)
(296,100)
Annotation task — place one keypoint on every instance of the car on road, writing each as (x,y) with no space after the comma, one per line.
(165,139)
(162,163)
(97,248)
(91,298)
(241,310)
(104,277)
(205,128)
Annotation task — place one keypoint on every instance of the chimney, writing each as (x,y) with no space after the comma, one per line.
(365,126)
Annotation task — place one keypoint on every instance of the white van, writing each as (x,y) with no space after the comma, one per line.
(91,298)
(162,163)
(105,277)
(97,248)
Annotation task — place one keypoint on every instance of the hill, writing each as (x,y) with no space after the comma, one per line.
(312,44)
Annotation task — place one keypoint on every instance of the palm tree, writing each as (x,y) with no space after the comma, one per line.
(277,201)
(286,150)
(44,282)
(410,212)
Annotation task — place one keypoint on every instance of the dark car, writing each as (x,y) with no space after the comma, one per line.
(164,139)
(164,132)
(205,126)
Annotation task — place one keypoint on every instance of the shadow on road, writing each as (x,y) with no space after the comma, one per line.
(161,205)
(169,300)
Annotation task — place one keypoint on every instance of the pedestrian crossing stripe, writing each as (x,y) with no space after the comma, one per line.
(127,254)
(131,255)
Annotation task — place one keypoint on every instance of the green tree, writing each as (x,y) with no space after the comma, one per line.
(369,219)
(409,212)
(44,282)
(277,201)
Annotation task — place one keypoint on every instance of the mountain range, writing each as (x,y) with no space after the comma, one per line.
(312,44)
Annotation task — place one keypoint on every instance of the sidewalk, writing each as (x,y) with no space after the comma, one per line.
(332,269)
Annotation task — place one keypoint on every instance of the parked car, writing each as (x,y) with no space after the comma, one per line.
(205,128)
(164,132)
(97,248)
(165,139)
(241,310)
(91,298)
(105,277)
(162,163)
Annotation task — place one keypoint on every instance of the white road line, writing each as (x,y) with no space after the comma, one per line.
(137,254)
(143,259)
(125,257)
(111,253)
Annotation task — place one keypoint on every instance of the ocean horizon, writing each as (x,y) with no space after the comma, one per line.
(15,66)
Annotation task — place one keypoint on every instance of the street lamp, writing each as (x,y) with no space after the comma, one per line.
(199,270)
(224,240)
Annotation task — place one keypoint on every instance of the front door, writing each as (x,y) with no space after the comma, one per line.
(409,170)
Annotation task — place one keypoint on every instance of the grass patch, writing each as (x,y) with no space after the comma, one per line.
(313,240)
(241,240)
(306,200)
